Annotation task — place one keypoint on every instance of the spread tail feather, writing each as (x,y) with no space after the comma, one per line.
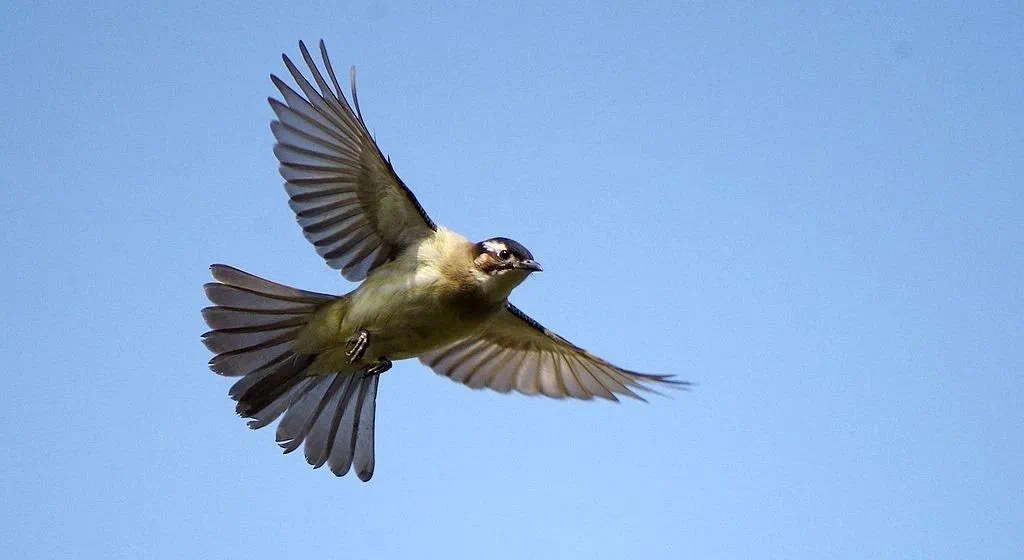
(255,323)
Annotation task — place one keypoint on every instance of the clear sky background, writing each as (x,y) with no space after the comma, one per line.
(816,214)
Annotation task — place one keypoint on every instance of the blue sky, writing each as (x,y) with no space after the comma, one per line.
(813,213)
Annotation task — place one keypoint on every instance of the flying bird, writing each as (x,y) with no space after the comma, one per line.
(314,360)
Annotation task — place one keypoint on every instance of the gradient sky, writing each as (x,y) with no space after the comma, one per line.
(816,214)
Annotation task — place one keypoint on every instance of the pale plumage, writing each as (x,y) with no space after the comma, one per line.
(314,360)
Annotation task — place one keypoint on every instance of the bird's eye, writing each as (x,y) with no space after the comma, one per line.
(503,254)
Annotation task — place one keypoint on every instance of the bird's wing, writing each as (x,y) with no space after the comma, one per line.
(346,195)
(517,353)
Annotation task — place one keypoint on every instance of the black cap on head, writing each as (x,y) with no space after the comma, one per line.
(496,244)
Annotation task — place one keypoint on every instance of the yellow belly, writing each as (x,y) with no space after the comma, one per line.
(408,315)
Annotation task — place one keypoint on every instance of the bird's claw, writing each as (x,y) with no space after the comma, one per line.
(356,346)
(378,368)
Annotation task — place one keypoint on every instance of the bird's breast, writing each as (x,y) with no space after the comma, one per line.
(411,312)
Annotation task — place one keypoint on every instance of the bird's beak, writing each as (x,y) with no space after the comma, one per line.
(530,265)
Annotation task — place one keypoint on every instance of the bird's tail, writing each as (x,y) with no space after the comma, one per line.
(255,325)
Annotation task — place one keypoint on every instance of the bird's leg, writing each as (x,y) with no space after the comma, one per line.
(356,346)
(378,368)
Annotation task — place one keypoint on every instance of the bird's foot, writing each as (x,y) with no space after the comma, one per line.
(356,346)
(378,368)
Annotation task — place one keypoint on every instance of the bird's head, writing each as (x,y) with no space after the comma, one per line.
(503,264)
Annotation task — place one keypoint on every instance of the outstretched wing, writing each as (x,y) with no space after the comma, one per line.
(517,353)
(346,195)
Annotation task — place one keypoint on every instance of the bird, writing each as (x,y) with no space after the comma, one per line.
(314,360)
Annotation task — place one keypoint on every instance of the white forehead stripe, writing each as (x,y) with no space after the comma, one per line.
(494,246)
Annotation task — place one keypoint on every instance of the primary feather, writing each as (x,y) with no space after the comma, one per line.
(351,204)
